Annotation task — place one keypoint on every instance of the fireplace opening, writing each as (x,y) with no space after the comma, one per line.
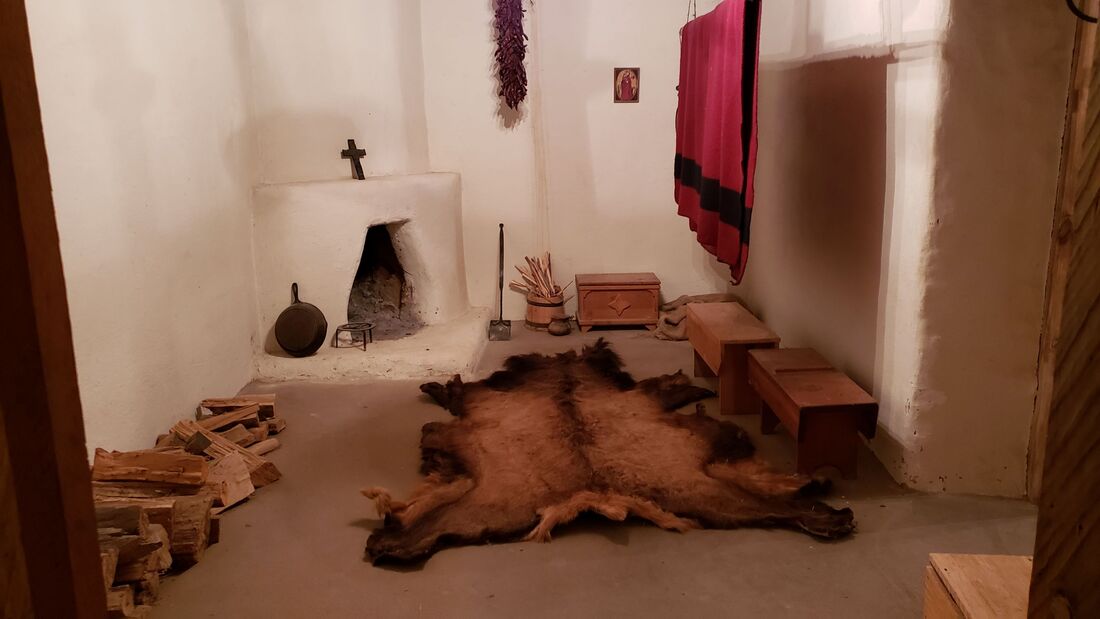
(380,293)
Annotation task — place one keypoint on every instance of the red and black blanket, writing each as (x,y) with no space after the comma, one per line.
(716,128)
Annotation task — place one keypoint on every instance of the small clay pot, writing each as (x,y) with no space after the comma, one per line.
(560,326)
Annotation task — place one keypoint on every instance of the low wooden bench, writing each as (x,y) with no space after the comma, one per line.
(976,586)
(722,335)
(819,405)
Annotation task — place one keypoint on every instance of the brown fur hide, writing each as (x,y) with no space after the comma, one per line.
(550,437)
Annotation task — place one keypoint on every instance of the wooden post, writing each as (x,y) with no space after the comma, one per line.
(47,523)
(1067,427)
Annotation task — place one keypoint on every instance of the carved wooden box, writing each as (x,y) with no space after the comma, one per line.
(618,299)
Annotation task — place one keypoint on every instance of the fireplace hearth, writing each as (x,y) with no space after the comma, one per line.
(380,292)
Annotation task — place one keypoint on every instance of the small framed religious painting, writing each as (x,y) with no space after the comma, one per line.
(627,83)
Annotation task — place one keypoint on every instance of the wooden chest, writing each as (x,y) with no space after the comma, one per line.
(618,299)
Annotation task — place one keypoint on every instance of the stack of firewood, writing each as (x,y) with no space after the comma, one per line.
(160,508)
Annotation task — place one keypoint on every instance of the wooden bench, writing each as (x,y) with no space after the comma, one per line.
(820,406)
(976,586)
(722,335)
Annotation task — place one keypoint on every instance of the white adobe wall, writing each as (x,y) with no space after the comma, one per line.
(144,109)
(323,72)
(997,150)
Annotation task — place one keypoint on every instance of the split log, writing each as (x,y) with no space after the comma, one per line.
(186,520)
(263,447)
(229,480)
(261,471)
(219,406)
(239,435)
(260,432)
(168,440)
(108,561)
(148,589)
(103,490)
(120,601)
(132,572)
(276,425)
(129,519)
(165,467)
(130,548)
(249,415)
(164,552)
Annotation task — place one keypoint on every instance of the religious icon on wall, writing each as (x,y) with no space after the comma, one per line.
(627,81)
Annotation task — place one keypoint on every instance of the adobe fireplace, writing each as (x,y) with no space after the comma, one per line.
(387,250)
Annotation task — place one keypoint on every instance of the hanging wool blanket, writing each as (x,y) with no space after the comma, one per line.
(716,128)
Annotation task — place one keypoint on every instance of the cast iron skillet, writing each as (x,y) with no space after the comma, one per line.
(301,328)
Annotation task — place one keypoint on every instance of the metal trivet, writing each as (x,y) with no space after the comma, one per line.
(359,335)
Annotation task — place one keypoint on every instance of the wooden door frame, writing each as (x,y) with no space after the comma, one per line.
(48,534)
(1064,472)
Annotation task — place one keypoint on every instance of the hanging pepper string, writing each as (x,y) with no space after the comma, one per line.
(511,51)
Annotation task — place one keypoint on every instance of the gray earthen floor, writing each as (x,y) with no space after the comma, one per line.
(296,548)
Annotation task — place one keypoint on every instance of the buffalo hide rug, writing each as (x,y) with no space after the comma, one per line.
(549,437)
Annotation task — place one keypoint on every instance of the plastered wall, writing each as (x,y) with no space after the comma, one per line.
(323,72)
(143,107)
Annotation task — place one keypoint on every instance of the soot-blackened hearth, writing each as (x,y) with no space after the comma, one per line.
(380,293)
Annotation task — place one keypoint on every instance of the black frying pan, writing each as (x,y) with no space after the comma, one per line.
(301,328)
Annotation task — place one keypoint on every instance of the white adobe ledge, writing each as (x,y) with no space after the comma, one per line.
(312,233)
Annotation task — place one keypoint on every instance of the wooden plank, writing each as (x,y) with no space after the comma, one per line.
(45,499)
(937,600)
(1065,456)
(731,323)
(249,415)
(262,471)
(985,586)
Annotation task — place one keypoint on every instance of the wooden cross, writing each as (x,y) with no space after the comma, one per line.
(355,154)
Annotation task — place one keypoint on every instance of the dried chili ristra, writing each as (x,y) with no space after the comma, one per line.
(511,51)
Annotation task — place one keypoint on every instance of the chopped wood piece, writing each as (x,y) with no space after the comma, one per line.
(230,480)
(173,468)
(197,444)
(102,490)
(168,440)
(262,471)
(266,402)
(259,433)
(239,435)
(276,425)
(249,414)
(164,552)
(191,527)
(266,446)
(159,510)
(108,561)
(134,571)
(130,547)
(120,600)
(129,519)
(148,589)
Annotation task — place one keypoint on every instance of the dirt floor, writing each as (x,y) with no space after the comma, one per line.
(296,548)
